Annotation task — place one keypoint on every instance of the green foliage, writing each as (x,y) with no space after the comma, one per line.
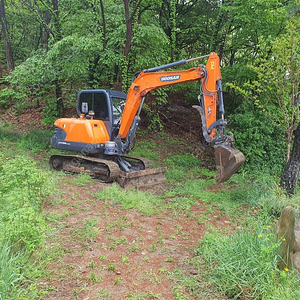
(22,190)
(31,80)
(242,32)
(244,264)
(67,60)
(261,141)
(161,98)
(82,179)
(11,273)
(36,140)
(6,97)
(182,160)
(149,46)
(70,57)
(175,174)
(180,166)
(49,111)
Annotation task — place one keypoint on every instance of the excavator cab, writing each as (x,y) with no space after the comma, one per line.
(104,105)
(99,114)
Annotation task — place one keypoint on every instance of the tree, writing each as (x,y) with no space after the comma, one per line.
(277,87)
(134,11)
(9,57)
(290,176)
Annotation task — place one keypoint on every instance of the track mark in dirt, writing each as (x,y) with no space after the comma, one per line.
(111,253)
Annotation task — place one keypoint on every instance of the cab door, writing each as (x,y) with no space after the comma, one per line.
(99,104)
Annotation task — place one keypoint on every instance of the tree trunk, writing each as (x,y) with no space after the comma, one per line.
(46,29)
(290,175)
(103,24)
(57,25)
(173,28)
(58,37)
(128,29)
(59,100)
(9,57)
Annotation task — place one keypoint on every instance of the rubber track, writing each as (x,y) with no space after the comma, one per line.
(112,167)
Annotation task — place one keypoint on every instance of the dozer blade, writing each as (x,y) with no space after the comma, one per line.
(228,161)
(146,177)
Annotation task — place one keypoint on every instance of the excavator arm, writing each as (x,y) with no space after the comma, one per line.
(152,79)
(228,159)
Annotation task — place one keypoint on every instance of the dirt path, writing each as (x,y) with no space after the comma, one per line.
(106,252)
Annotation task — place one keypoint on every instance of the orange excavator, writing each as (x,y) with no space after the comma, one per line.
(104,133)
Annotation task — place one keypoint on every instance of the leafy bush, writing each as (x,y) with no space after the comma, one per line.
(23,189)
(259,139)
(6,97)
(49,111)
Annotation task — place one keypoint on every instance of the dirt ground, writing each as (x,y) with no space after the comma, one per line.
(106,252)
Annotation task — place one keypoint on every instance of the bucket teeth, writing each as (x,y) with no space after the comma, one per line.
(228,161)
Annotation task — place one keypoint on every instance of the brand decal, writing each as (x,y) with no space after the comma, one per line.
(170,78)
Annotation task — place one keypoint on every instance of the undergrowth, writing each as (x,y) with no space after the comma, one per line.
(23,191)
(244,264)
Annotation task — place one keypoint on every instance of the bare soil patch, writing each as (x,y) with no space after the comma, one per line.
(106,250)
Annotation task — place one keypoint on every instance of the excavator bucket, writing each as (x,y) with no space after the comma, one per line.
(142,178)
(228,161)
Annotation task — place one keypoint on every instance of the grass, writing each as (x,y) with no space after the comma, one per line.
(23,189)
(11,273)
(35,141)
(87,231)
(243,264)
(144,202)
(240,265)
(146,149)
(82,179)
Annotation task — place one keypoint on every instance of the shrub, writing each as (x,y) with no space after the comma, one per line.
(261,141)
(23,189)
